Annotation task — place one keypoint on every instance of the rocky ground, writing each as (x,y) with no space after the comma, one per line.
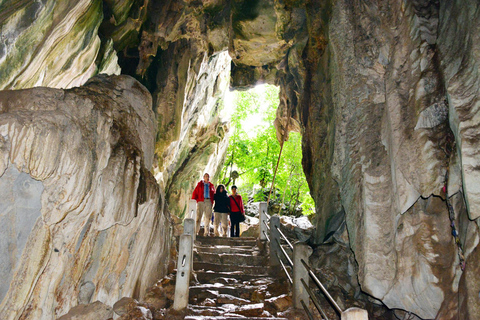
(231,279)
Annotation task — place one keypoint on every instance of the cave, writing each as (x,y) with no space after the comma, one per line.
(109,117)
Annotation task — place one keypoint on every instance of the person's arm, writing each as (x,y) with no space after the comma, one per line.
(212,191)
(231,203)
(242,210)
(194,194)
(212,188)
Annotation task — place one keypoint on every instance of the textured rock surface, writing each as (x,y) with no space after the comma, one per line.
(374,113)
(193,132)
(52,43)
(379,89)
(459,45)
(96,229)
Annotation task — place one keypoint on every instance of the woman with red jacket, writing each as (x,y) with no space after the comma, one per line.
(237,213)
(203,194)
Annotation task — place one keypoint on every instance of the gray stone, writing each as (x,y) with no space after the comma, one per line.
(138,313)
(20,208)
(93,311)
(124,305)
(86,292)
(433,116)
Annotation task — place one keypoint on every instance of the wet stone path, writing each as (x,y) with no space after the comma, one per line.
(232,280)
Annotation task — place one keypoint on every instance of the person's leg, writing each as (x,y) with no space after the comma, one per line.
(199,217)
(207,215)
(216,220)
(224,222)
(232,226)
(237,228)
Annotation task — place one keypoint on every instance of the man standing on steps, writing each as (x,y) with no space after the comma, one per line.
(203,194)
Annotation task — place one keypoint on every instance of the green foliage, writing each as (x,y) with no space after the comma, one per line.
(253,153)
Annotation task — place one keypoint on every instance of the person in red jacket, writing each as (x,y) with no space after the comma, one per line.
(203,194)
(237,212)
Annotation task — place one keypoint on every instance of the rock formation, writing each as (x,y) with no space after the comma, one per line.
(82,218)
(52,43)
(385,94)
(192,138)
(386,120)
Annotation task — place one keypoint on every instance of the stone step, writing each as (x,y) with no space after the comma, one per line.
(232,269)
(233,317)
(237,294)
(234,277)
(220,300)
(241,241)
(227,249)
(212,291)
(249,311)
(208,277)
(231,259)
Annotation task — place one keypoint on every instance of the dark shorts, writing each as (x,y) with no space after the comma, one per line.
(236,217)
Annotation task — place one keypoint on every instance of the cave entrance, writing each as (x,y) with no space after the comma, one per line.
(253,151)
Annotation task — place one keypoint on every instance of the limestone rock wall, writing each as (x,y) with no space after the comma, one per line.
(185,62)
(195,133)
(52,43)
(384,89)
(82,217)
(385,94)
(459,47)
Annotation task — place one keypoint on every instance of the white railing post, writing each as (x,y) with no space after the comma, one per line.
(355,314)
(184,264)
(262,208)
(274,240)
(301,251)
(192,210)
(189,227)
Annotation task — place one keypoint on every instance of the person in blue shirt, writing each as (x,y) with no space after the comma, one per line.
(203,194)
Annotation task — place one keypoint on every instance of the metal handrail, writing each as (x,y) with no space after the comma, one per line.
(285,253)
(266,236)
(284,237)
(266,215)
(285,269)
(307,311)
(266,225)
(320,285)
(278,238)
(314,299)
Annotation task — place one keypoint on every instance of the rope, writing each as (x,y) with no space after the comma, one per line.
(275,173)
(451,212)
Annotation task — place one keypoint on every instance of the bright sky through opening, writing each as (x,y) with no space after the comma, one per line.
(253,122)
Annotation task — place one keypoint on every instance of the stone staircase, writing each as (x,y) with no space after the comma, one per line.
(233,281)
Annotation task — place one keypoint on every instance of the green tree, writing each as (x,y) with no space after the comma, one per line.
(253,152)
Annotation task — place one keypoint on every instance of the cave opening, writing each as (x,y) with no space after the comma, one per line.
(255,160)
